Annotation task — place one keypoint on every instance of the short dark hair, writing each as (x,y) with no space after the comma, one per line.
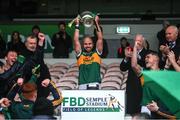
(35,27)
(123,38)
(87,36)
(152,53)
(10,50)
(32,36)
(61,23)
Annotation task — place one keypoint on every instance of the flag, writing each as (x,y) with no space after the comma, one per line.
(164,86)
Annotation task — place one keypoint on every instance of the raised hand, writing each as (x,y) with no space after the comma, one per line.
(128,52)
(153,106)
(45,82)
(76,21)
(4,102)
(164,49)
(171,57)
(20,81)
(96,18)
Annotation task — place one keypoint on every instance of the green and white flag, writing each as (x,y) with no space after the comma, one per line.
(163,86)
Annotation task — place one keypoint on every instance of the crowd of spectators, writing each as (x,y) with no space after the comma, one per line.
(24,73)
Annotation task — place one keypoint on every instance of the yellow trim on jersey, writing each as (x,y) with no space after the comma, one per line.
(89,59)
(142,80)
(58,101)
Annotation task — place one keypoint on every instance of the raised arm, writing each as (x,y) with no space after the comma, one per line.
(99,43)
(172,60)
(77,45)
(135,66)
(41,41)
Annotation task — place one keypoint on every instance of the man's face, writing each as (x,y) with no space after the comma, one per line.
(11,57)
(171,34)
(15,36)
(140,41)
(150,60)
(62,28)
(31,44)
(88,44)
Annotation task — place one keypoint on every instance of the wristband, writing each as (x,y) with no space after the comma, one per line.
(77,27)
(1,110)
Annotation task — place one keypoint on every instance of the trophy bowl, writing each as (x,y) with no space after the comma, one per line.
(87,18)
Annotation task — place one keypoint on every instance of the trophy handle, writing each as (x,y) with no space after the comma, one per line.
(72,21)
(84,16)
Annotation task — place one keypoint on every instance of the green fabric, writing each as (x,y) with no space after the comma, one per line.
(6,113)
(89,73)
(22,110)
(35,74)
(163,86)
(33,79)
(36,70)
(21,59)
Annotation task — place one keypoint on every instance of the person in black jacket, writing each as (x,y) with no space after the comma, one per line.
(161,35)
(30,62)
(133,87)
(34,53)
(172,44)
(62,42)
